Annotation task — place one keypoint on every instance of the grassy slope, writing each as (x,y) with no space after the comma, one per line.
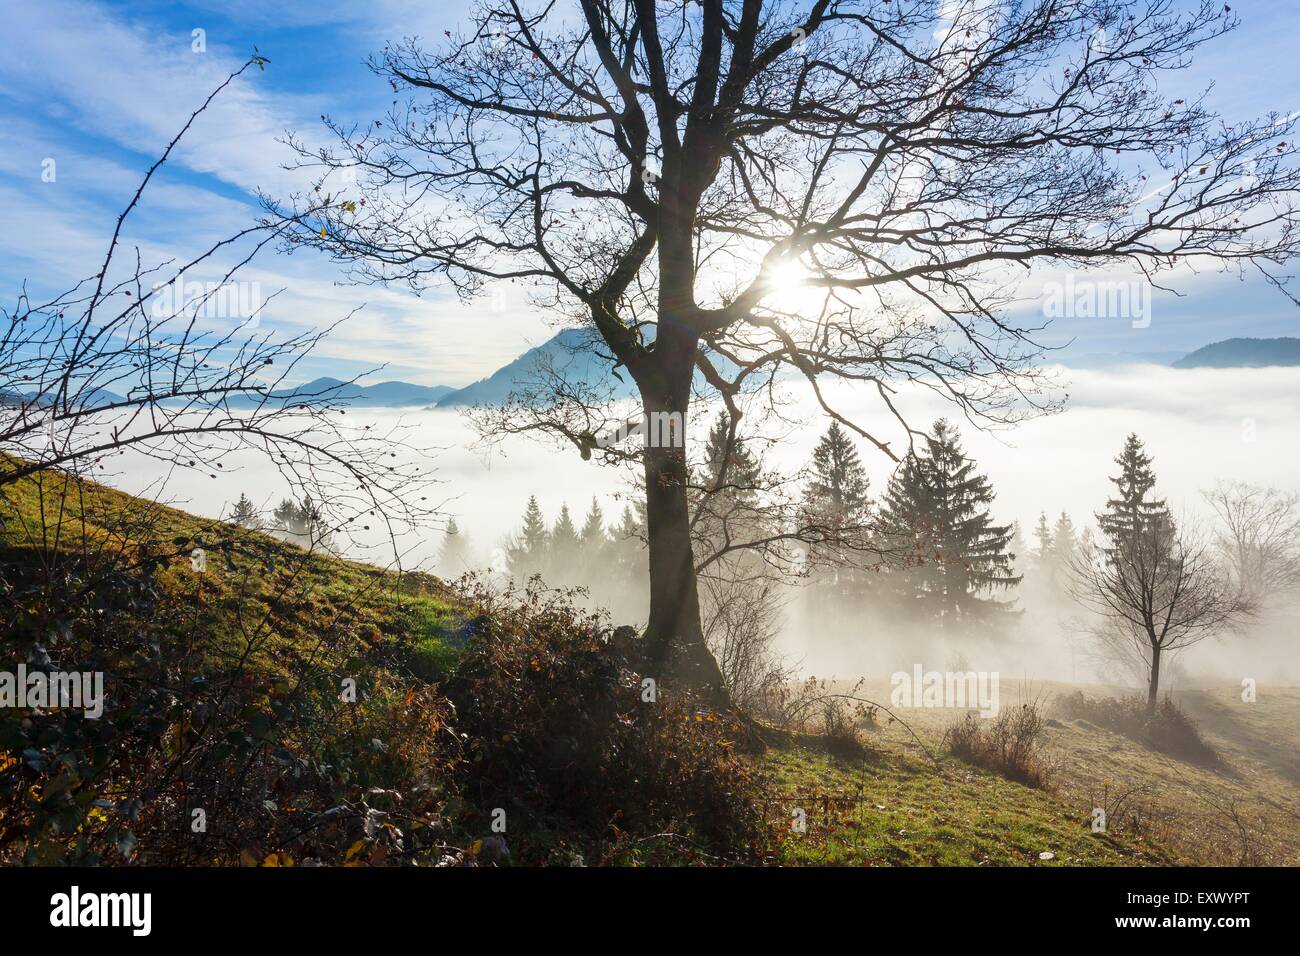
(895,808)
(1247,801)
(1161,809)
(892,808)
(279,594)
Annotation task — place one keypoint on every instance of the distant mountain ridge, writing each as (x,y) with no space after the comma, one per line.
(1244,353)
(576,354)
(580,356)
(380,395)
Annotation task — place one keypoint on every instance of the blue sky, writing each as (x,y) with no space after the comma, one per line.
(100,87)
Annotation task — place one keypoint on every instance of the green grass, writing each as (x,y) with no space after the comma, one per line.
(891,807)
(894,808)
(1244,808)
(255,588)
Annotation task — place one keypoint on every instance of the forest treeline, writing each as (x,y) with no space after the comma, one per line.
(925,556)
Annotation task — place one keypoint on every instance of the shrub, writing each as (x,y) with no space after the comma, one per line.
(230,692)
(1009,743)
(562,733)
(1169,730)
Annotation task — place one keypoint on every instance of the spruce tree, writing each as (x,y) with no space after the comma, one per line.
(723,496)
(628,546)
(742,468)
(1133,509)
(1087,543)
(935,517)
(595,547)
(563,552)
(1045,570)
(1043,535)
(835,500)
(453,558)
(313,525)
(837,491)
(286,514)
(1065,544)
(1016,547)
(593,528)
(527,555)
(245,514)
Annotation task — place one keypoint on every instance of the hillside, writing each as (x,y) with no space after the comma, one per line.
(1244,353)
(266,630)
(1237,805)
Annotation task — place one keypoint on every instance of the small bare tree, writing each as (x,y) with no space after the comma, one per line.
(1157,591)
(1258,538)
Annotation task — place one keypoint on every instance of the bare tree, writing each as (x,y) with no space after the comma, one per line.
(139,360)
(1258,538)
(663,173)
(1156,592)
(742,617)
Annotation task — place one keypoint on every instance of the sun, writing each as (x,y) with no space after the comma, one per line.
(790,288)
(787,277)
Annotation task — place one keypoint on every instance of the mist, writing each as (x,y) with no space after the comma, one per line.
(1200,426)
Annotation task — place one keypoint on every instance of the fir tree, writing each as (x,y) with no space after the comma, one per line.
(454,557)
(245,514)
(595,550)
(302,520)
(836,501)
(593,528)
(1016,547)
(1043,535)
(563,552)
(935,512)
(1065,544)
(742,468)
(628,545)
(1132,510)
(527,555)
(723,500)
(286,514)
(837,491)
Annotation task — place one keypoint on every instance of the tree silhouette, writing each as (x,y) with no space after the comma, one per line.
(1046,549)
(454,555)
(564,545)
(734,189)
(836,498)
(1156,591)
(1131,511)
(595,546)
(838,487)
(245,514)
(1065,543)
(937,502)
(527,555)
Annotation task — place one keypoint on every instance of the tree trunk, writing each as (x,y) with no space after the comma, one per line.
(674,635)
(1153,688)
